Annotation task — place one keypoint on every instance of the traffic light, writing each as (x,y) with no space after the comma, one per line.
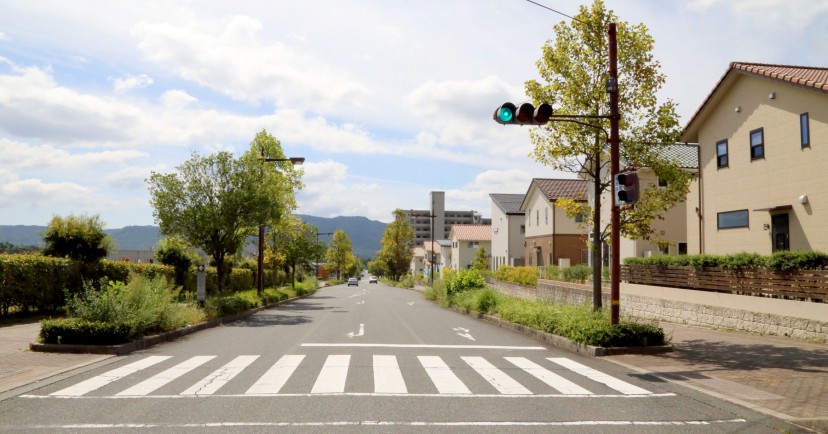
(626,188)
(525,114)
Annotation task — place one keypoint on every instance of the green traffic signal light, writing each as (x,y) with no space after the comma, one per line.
(505,115)
(525,114)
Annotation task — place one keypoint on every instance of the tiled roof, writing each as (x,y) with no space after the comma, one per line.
(444,243)
(687,156)
(472,232)
(509,203)
(555,189)
(806,76)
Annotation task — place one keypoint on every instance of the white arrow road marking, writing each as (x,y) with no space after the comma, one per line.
(361,302)
(465,333)
(361,332)
(411,303)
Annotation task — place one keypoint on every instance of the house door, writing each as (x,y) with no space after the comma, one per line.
(780,232)
(539,256)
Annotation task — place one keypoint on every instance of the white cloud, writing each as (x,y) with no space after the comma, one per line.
(22,156)
(227,55)
(177,99)
(37,194)
(126,84)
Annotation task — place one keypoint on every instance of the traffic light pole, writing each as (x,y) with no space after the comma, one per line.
(615,234)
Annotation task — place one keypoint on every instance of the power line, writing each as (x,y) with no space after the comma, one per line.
(558,12)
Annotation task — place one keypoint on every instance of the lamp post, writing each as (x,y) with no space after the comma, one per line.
(260,263)
(316,267)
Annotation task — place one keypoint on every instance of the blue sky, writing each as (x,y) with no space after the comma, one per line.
(387,100)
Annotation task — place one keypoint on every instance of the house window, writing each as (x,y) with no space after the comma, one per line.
(682,248)
(733,219)
(537,217)
(546,216)
(662,182)
(579,218)
(721,153)
(474,244)
(805,130)
(757,144)
(523,229)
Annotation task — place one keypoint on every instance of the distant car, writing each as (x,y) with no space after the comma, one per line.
(353,281)
(372,279)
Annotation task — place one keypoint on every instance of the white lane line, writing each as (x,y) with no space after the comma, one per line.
(442,377)
(333,375)
(576,423)
(148,386)
(497,378)
(461,347)
(108,377)
(272,381)
(611,382)
(213,382)
(554,380)
(360,333)
(387,375)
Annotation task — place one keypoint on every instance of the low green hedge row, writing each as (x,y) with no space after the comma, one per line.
(779,261)
(82,331)
(34,282)
(520,275)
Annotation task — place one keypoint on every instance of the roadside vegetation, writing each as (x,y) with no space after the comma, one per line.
(467,291)
(784,260)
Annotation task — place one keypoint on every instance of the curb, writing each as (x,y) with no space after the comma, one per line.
(562,342)
(148,341)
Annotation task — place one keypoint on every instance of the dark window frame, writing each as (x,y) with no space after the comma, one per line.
(719,163)
(805,130)
(745,225)
(761,145)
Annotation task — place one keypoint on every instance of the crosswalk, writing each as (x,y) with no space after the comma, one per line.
(208,375)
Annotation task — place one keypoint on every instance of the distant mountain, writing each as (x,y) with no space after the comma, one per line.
(365,234)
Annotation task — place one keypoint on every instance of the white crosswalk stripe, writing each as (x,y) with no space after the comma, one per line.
(213,382)
(276,377)
(388,378)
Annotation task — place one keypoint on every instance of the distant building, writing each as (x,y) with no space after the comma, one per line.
(420,219)
(552,237)
(508,230)
(466,241)
(137,256)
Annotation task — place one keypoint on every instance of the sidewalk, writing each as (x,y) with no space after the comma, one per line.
(785,378)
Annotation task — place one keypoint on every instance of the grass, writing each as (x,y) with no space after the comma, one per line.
(577,323)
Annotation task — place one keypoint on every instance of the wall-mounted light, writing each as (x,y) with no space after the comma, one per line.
(738,109)
(803,199)
(772,95)
(766,226)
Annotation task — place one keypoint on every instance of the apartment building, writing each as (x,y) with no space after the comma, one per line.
(421,219)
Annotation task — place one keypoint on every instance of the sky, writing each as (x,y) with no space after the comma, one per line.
(386,100)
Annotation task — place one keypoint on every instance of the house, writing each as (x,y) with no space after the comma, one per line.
(422,219)
(466,240)
(763,145)
(417,261)
(508,230)
(445,254)
(433,257)
(552,237)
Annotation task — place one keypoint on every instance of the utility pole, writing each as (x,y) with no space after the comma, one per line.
(615,234)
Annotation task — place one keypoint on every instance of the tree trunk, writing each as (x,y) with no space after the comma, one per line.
(219,258)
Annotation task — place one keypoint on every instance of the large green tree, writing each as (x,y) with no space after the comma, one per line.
(574,69)
(293,242)
(216,201)
(340,253)
(397,245)
(81,238)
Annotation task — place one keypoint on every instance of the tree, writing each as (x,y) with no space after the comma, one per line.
(575,68)
(174,251)
(295,243)
(81,238)
(340,253)
(215,202)
(397,245)
(481,259)
(378,268)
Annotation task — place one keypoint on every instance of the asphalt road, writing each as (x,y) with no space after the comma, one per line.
(367,359)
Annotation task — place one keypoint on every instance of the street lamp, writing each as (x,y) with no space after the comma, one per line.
(316,267)
(260,263)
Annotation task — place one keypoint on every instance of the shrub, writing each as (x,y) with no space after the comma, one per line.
(81,331)
(231,304)
(576,273)
(787,260)
(81,238)
(520,275)
(465,280)
(780,261)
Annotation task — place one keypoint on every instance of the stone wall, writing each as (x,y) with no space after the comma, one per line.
(801,320)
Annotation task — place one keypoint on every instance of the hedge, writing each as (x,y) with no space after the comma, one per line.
(34,282)
(81,331)
(784,260)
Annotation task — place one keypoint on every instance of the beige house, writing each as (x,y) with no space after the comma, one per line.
(763,139)
(552,237)
(417,261)
(466,240)
(507,230)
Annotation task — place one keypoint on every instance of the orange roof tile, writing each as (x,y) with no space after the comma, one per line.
(472,232)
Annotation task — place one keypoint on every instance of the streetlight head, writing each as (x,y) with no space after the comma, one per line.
(297,161)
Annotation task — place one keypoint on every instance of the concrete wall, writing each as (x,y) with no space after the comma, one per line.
(801,320)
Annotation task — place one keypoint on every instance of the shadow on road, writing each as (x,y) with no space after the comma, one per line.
(270,319)
(747,357)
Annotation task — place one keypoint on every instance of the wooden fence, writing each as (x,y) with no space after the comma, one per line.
(807,285)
